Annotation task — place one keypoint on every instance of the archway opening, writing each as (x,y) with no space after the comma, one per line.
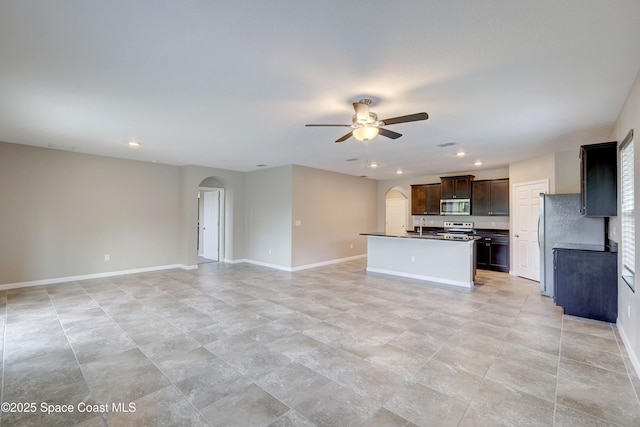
(210,224)
(396,212)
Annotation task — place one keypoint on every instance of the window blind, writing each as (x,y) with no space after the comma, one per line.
(627,206)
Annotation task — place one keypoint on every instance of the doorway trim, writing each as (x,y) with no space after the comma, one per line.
(404,208)
(515,253)
(221,220)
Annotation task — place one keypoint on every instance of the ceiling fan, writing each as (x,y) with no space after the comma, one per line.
(366,125)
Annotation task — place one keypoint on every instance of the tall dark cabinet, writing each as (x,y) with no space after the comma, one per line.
(586,283)
(598,169)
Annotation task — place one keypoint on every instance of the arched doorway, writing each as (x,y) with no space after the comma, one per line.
(210,243)
(396,212)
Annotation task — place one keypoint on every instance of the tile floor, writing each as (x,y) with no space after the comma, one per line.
(242,345)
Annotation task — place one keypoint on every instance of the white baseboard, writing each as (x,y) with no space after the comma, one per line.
(306,266)
(235,261)
(468,285)
(94,276)
(630,352)
(268,265)
(333,261)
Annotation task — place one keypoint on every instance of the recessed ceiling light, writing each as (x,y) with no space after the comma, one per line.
(373,165)
(261,165)
(478,163)
(134,144)
(460,154)
(353,159)
(399,172)
(447,144)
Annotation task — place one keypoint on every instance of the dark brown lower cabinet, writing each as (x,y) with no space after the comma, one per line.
(492,253)
(586,283)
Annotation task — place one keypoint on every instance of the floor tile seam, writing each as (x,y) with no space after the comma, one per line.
(482,380)
(555,398)
(602,390)
(284,415)
(343,384)
(165,318)
(630,373)
(412,379)
(591,365)
(79,365)
(150,360)
(603,420)
(295,407)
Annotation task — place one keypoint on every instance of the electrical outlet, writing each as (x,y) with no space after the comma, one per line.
(351,246)
(107,257)
(413,259)
(269,251)
(628,311)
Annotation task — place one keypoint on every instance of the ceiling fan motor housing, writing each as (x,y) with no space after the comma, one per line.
(369,120)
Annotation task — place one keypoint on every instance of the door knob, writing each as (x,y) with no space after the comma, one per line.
(516,235)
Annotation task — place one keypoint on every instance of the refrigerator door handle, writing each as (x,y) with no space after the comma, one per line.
(539,233)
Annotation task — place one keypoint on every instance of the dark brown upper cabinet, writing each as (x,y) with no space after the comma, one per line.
(490,197)
(456,187)
(425,199)
(598,185)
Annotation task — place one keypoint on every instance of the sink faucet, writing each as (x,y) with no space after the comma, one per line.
(421,225)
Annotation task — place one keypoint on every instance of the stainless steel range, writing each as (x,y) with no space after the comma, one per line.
(454,230)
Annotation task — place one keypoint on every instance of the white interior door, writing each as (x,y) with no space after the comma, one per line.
(525,225)
(396,216)
(210,225)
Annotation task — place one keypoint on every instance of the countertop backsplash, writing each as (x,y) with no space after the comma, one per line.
(479,222)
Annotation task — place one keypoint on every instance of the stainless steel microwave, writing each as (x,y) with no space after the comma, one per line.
(455,207)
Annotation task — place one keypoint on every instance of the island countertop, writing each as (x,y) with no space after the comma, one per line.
(414,235)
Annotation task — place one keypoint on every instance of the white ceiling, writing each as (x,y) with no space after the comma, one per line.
(232,84)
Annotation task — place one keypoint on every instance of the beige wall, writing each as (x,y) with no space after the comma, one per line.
(537,168)
(62,212)
(628,300)
(268,216)
(298,216)
(568,171)
(333,209)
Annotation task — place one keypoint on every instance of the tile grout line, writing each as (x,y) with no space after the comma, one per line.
(555,399)
(145,354)
(629,372)
(75,356)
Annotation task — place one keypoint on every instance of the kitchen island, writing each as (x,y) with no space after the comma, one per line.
(429,257)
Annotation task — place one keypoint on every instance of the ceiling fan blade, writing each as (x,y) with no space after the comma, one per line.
(404,119)
(344,138)
(348,126)
(389,133)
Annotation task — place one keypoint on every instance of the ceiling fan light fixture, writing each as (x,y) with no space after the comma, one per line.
(365,133)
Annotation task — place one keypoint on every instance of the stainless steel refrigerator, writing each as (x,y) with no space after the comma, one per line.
(561,222)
